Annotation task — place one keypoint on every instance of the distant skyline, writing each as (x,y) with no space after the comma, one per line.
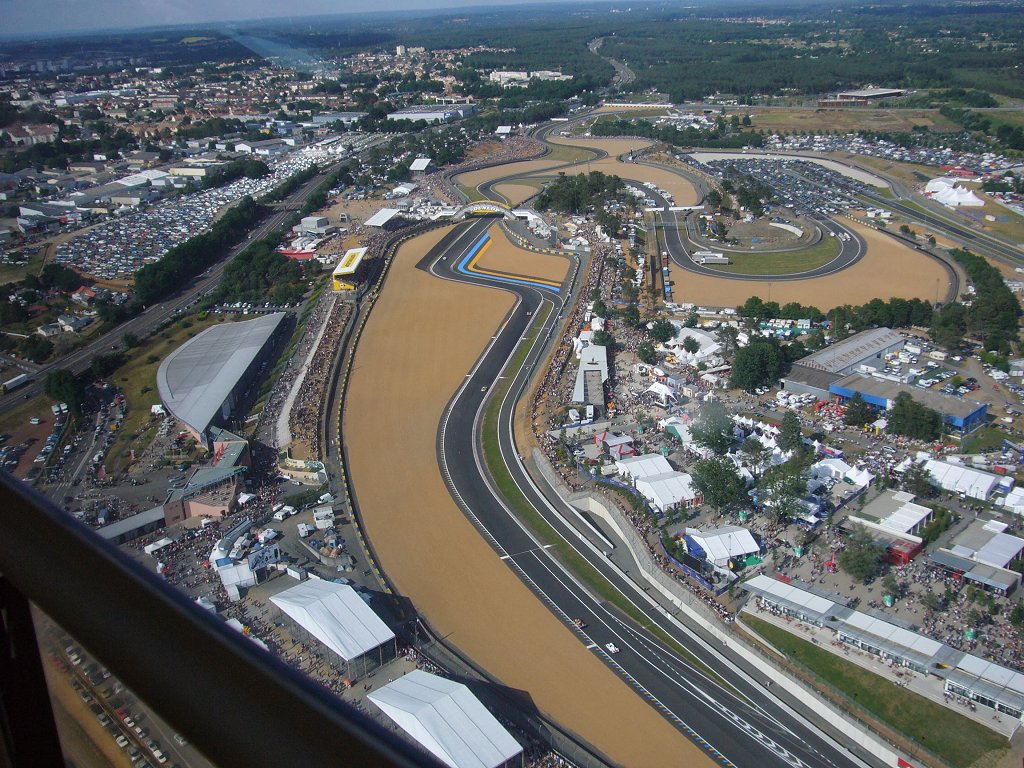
(47,17)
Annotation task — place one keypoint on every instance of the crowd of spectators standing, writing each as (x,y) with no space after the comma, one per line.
(307,411)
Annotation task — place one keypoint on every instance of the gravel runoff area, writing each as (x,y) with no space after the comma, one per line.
(682,191)
(503,256)
(431,551)
(888,269)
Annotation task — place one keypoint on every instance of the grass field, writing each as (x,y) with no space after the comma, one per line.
(853,119)
(911,174)
(985,439)
(10,273)
(137,380)
(787,263)
(565,153)
(956,739)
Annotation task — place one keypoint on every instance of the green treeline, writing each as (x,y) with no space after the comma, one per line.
(678,137)
(260,273)
(578,194)
(895,313)
(990,317)
(184,261)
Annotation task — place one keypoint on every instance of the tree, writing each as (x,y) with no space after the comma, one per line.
(602,339)
(757,364)
(631,316)
(662,331)
(692,318)
(911,418)
(691,345)
(645,352)
(862,557)
(727,336)
(62,386)
(890,584)
(931,601)
(36,348)
(918,481)
(130,340)
(719,482)
(1017,614)
(790,437)
(857,411)
(713,428)
(600,308)
(713,198)
(782,487)
(754,451)
(104,365)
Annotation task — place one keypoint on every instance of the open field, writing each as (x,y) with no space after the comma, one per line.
(503,256)
(957,739)
(433,554)
(852,119)
(785,263)
(888,269)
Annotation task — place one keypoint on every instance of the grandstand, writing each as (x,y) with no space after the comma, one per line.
(201,382)
(346,273)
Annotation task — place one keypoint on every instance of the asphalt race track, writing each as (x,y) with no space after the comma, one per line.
(851,248)
(738,723)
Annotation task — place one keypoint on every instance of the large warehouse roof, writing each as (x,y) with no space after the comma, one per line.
(447,720)
(946,405)
(336,616)
(847,353)
(196,378)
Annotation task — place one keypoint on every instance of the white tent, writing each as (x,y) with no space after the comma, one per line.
(667,489)
(647,465)
(960,479)
(722,544)
(447,720)
(336,616)
(1014,501)
(946,192)
(663,393)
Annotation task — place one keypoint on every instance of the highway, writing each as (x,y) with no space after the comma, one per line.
(736,721)
(80,359)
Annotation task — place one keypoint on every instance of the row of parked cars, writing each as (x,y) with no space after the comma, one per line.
(114,714)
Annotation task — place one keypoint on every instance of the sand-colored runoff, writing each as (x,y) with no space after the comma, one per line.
(682,191)
(473,179)
(514,193)
(503,256)
(614,147)
(889,269)
(432,553)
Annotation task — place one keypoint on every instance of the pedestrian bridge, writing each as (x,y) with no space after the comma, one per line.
(485,208)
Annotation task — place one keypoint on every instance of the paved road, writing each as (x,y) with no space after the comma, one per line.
(78,360)
(679,245)
(739,722)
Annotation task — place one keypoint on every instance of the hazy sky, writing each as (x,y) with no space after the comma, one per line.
(19,17)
